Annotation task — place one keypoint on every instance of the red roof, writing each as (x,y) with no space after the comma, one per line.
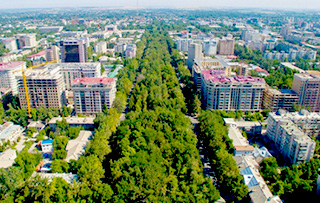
(260,70)
(39,54)
(104,80)
(10,65)
(232,57)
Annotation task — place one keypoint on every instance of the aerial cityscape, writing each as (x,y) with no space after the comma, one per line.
(151,103)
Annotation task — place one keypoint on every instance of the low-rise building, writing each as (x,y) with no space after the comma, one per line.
(69,178)
(10,132)
(7,158)
(75,148)
(240,143)
(47,146)
(85,122)
(258,189)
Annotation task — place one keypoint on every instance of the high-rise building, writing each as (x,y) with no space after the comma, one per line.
(131,50)
(307,86)
(290,140)
(45,87)
(73,50)
(26,40)
(8,72)
(226,46)
(120,47)
(91,95)
(308,122)
(208,64)
(210,47)
(183,44)
(52,53)
(194,52)
(274,99)
(101,47)
(71,71)
(220,92)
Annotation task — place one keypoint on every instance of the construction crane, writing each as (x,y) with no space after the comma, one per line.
(26,85)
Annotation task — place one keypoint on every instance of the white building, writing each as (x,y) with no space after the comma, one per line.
(52,53)
(120,47)
(8,71)
(92,94)
(291,141)
(10,132)
(10,44)
(7,158)
(26,40)
(183,44)
(47,146)
(50,29)
(101,47)
(210,47)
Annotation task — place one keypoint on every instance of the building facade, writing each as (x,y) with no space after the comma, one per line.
(71,71)
(45,87)
(290,140)
(279,99)
(101,47)
(8,72)
(92,94)
(73,50)
(226,46)
(52,53)
(194,52)
(307,86)
(220,92)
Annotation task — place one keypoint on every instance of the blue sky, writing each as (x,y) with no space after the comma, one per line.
(281,4)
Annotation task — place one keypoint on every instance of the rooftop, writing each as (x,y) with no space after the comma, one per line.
(289,65)
(69,178)
(314,73)
(47,142)
(103,80)
(216,76)
(10,65)
(74,120)
(39,54)
(75,148)
(7,129)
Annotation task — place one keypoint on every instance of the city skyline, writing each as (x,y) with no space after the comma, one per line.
(272,4)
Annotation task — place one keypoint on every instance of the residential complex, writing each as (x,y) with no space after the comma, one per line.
(73,50)
(210,47)
(290,140)
(274,99)
(220,92)
(71,71)
(8,72)
(52,53)
(307,86)
(183,44)
(91,95)
(45,87)
(26,41)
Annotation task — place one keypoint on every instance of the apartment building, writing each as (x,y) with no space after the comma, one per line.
(183,44)
(226,46)
(92,94)
(220,92)
(208,64)
(290,140)
(45,87)
(194,52)
(71,71)
(52,53)
(8,72)
(101,47)
(274,99)
(26,40)
(131,50)
(307,86)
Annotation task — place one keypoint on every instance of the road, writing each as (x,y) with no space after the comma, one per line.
(207,170)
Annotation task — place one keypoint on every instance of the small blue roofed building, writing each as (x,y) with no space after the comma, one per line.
(47,146)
